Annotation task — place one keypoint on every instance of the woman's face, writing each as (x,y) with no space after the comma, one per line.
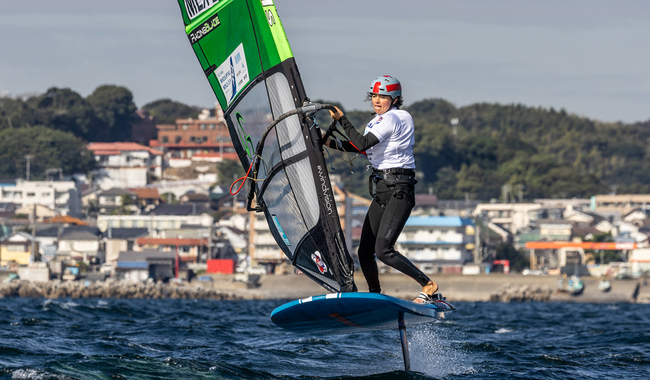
(381,103)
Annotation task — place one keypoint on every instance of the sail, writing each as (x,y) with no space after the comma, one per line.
(245,55)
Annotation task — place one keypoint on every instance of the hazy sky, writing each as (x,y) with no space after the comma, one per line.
(589,57)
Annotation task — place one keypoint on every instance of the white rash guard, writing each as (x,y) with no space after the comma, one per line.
(396,134)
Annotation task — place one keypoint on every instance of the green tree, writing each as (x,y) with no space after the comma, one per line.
(114,107)
(229,170)
(518,259)
(62,109)
(166,111)
(49,149)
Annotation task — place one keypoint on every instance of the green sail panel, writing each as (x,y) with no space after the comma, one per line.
(245,55)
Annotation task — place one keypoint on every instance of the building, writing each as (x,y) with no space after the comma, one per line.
(163,217)
(620,204)
(207,134)
(143,128)
(80,243)
(513,217)
(125,164)
(438,244)
(17,248)
(189,250)
(63,197)
(114,199)
(117,240)
(142,265)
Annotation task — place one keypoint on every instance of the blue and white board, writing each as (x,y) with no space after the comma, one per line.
(346,313)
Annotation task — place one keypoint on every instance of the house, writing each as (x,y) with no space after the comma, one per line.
(189,249)
(199,199)
(80,243)
(425,204)
(512,216)
(207,134)
(117,240)
(41,212)
(155,222)
(142,265)
(146,197)
(20,248)
(113,199)
(456,207)
(125,164)
(63,197)
(438,244)
(47,239)
(621,204)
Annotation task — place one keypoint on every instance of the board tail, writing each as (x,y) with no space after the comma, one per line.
(245,55)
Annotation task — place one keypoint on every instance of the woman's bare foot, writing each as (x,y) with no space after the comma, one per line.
(429,289)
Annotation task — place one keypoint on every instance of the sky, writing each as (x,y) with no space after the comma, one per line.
(589,57)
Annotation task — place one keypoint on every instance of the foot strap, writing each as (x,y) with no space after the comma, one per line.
(425,298)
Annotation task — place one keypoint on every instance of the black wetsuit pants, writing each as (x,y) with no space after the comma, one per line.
(384,222)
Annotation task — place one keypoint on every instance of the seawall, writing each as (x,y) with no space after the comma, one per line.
(480,288)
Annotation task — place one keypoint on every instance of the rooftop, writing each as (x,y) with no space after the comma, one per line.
(100,148)
(438,221)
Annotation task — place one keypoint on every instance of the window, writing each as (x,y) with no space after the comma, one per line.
(165,139)
(204,127)
(212,126)
(31,195)
(178,139)
(185,127)
(45,194)
(192,139)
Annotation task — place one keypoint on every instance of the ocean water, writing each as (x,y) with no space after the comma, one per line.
(200,339)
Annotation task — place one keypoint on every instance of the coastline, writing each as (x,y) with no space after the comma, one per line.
(477,288)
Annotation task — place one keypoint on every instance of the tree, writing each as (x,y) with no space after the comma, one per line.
(114,107)
(517,258)
(229,170)
(166,111)
(49,149)
(62,109)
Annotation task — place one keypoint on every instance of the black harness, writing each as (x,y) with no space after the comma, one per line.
(399,180)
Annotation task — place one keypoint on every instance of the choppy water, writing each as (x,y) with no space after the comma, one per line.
(181,339)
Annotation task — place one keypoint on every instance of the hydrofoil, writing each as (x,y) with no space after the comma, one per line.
(347,313)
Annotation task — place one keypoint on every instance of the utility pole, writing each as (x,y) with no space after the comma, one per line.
(454,125)
(29,158)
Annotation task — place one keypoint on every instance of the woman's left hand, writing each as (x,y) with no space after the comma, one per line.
(336,115)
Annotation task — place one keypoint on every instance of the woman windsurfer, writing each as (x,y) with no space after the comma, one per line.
(388,141)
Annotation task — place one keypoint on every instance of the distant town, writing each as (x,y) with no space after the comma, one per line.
(150,211)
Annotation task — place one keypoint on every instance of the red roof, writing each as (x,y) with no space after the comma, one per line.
(118,147)
(171,241)
(199,145)
(146,192)
(226,155)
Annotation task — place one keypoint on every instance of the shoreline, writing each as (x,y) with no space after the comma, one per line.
(457,288)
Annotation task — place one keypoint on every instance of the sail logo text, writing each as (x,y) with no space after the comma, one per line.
(208,26)
(326,190)
(232,74)
(196,7)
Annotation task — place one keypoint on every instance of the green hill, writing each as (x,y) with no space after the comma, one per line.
(544,152)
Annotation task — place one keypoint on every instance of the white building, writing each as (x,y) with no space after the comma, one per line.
(438,241)
(125,164)
(61,196)
(511,216)
(152,222)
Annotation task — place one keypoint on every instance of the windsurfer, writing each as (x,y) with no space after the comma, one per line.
(388,142)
